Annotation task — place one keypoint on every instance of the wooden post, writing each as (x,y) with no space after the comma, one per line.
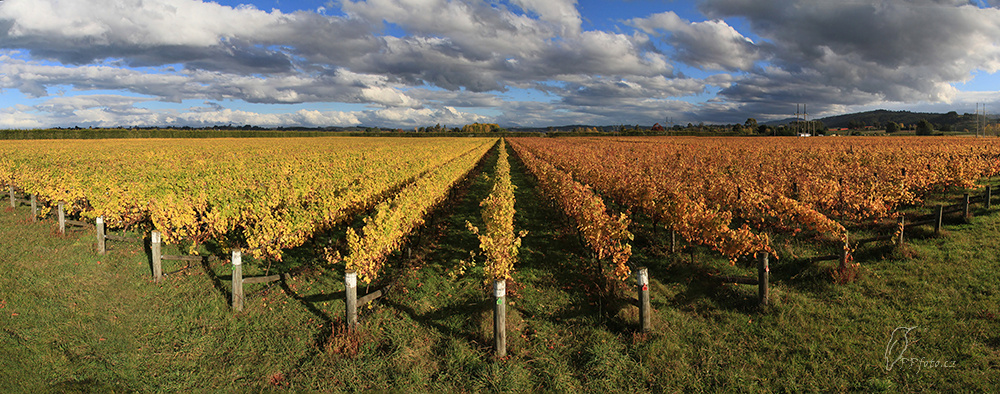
(99,225)
(154,248)
(10,189)
(938,219)
(642,278)
(62,218)
(34,208)
(351,290)
(989,197)
(237,280)
(500,317)
(902,224)
(673,242)
(845,252)
(763,272)
(965,206)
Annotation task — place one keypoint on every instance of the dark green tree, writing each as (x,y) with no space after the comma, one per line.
(891,127)
(924,127)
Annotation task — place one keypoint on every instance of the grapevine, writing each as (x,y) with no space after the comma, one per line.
(396,218)
(267,194)
(606,235)
(499,241)
(726,192)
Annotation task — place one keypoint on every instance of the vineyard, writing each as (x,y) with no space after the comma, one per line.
(728,194)
(555,232)
(268,194)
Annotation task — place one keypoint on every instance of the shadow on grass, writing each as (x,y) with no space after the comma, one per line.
(431,319)
(434,236)
(224,291)
(84,386)
(553,257)
(694,269)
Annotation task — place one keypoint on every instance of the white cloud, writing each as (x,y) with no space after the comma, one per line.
(388,97)
(479,47)
(116,110)
(562,13)
(19,118)
(849,53)
(455,98)
(36,79)
(425,116)
(135,22)
(710,44)
(109,102)
(468,53)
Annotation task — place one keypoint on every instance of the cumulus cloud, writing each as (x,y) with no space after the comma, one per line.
(598,92)
(207,35)
(480,47)
(19,117)
(624,111)
(448,54)
(340,85)
(478,28)
(835,53)
(117,110)
(710,44)
(562,13)
(455,98)
(470,44)
(133,22)
(109,102)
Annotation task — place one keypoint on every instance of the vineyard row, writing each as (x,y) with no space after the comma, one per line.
(262,195)
(731,194)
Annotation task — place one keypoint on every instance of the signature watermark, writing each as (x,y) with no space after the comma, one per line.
(896,355)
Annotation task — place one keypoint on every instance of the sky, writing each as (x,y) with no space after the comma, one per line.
(518,63)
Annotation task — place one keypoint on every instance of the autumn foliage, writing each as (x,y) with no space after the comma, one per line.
(605,234)
(498,241)
(729,193)
(265,194)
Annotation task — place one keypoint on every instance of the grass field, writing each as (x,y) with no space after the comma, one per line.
(73,321)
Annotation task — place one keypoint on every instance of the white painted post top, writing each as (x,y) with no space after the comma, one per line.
(237,257)
(100,220)
(154,237)
(351,279)
(642,275)
(500,288)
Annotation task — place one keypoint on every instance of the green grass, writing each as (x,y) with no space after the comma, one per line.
(73,321)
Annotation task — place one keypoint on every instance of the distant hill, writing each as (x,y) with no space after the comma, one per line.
(951,121)
(878,119)
(566,128)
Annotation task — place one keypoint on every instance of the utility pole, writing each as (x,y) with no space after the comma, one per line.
(805,118)
(797,124)
(802,119)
